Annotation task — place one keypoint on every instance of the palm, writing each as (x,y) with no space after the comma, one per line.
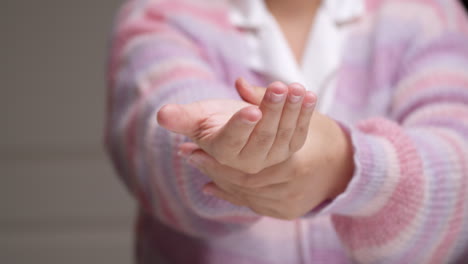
(214,115)
(202,120)
(248,137)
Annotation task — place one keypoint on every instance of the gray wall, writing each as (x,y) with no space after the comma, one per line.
(60,201)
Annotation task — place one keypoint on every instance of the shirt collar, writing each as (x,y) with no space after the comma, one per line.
(344,11)
(248,13)
(252,13)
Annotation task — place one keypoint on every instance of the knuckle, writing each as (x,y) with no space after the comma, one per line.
(232,142)
(264,137)
(278,157)
(251,182)
(253,170)
(220,155)
(240,180)
(301,130)
(295,146)
(297,143)
(284,134)
(245,181)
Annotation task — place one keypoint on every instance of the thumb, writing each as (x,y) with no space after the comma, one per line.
(250,94)
(181,119)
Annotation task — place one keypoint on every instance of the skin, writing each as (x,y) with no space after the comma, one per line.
(319,171)
(243,135)
(295,18)
(268,153)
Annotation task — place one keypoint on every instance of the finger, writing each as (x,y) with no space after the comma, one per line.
(186,149)
(287,125)
(270,176)
(275,192)
(250,94)
(182,119)
(213,190)
(303,121)
(260,206)
(264,134)
(223,175)
(235,194)
(235,134)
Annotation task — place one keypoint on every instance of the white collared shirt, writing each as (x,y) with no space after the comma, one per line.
(271,55)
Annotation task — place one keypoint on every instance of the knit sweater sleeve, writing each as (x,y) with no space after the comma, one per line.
(408,199)
(154,63)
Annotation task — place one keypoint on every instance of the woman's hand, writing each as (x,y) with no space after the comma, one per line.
(243,136)
(319,171)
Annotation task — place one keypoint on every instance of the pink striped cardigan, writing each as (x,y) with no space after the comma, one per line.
(402,92)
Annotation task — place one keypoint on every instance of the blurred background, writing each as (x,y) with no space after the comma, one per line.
(60,201)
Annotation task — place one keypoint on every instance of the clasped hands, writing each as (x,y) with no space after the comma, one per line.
(271,152)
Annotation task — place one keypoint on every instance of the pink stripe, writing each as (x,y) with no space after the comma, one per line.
(428,81)
(218,16)
(131,31)
(445,112)
(130,133)
(178,74)
(440,254)
(374,5)
(393,218)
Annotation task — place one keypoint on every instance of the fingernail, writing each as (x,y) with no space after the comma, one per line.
(310,100)
(195,160)
(207,191)
(244,81)
(309,105)
(294,98)
(184,153)
(276,98)
(248,122)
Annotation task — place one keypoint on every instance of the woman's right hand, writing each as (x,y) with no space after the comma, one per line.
(242,135)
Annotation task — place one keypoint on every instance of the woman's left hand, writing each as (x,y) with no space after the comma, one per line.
(320,170)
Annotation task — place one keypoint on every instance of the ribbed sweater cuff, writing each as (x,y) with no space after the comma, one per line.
(366,182)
